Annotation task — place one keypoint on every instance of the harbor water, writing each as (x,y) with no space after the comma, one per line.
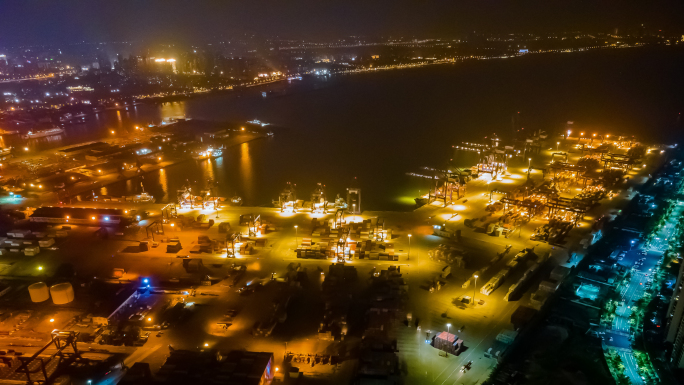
(371,129)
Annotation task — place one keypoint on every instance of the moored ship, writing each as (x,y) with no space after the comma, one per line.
(43,133)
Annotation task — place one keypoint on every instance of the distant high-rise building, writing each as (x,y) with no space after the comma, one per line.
(675,322)
(103,62)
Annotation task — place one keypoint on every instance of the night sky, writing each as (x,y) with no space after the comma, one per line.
(63,21)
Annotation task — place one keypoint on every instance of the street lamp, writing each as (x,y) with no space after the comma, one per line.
(579,138)
(474,289)
(568,136)
(296,239)
(557,143)
(529,162)
(409,251)
(448,327)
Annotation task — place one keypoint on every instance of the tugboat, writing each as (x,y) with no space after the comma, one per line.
(421,201)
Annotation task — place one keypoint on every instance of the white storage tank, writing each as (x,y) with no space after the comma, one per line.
(62,293)
(39,292)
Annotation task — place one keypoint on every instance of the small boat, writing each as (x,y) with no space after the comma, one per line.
(43,133)
(421,201)
(236,201)
(258,122)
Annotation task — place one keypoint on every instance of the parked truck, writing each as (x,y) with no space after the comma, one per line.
(495,282)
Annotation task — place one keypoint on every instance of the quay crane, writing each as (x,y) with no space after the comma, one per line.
(287,200)
(319,202)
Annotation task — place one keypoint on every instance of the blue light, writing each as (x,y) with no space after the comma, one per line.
(146,280)
(106,218)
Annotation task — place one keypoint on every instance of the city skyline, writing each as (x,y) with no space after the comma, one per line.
(33,22)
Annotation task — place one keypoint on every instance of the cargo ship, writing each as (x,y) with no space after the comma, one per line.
(173,120)
(43,133)
(141,198)
(209,154)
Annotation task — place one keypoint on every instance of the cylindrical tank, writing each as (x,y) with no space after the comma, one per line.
(62,293)
(39,292)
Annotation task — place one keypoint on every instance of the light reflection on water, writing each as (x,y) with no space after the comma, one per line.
(170,109)
(208,169)
(246,168)
(164,183)
(405,120)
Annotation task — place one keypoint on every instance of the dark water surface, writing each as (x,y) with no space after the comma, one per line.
(376,127)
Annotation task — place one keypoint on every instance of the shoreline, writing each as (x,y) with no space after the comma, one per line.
(436,62)
(145,170)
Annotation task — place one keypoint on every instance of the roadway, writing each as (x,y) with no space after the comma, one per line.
(643,265)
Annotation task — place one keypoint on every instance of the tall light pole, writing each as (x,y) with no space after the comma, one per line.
(448,327)
(296,238)
(474,289)
(567,137)
(529,162)
(557,144)
(409,251)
